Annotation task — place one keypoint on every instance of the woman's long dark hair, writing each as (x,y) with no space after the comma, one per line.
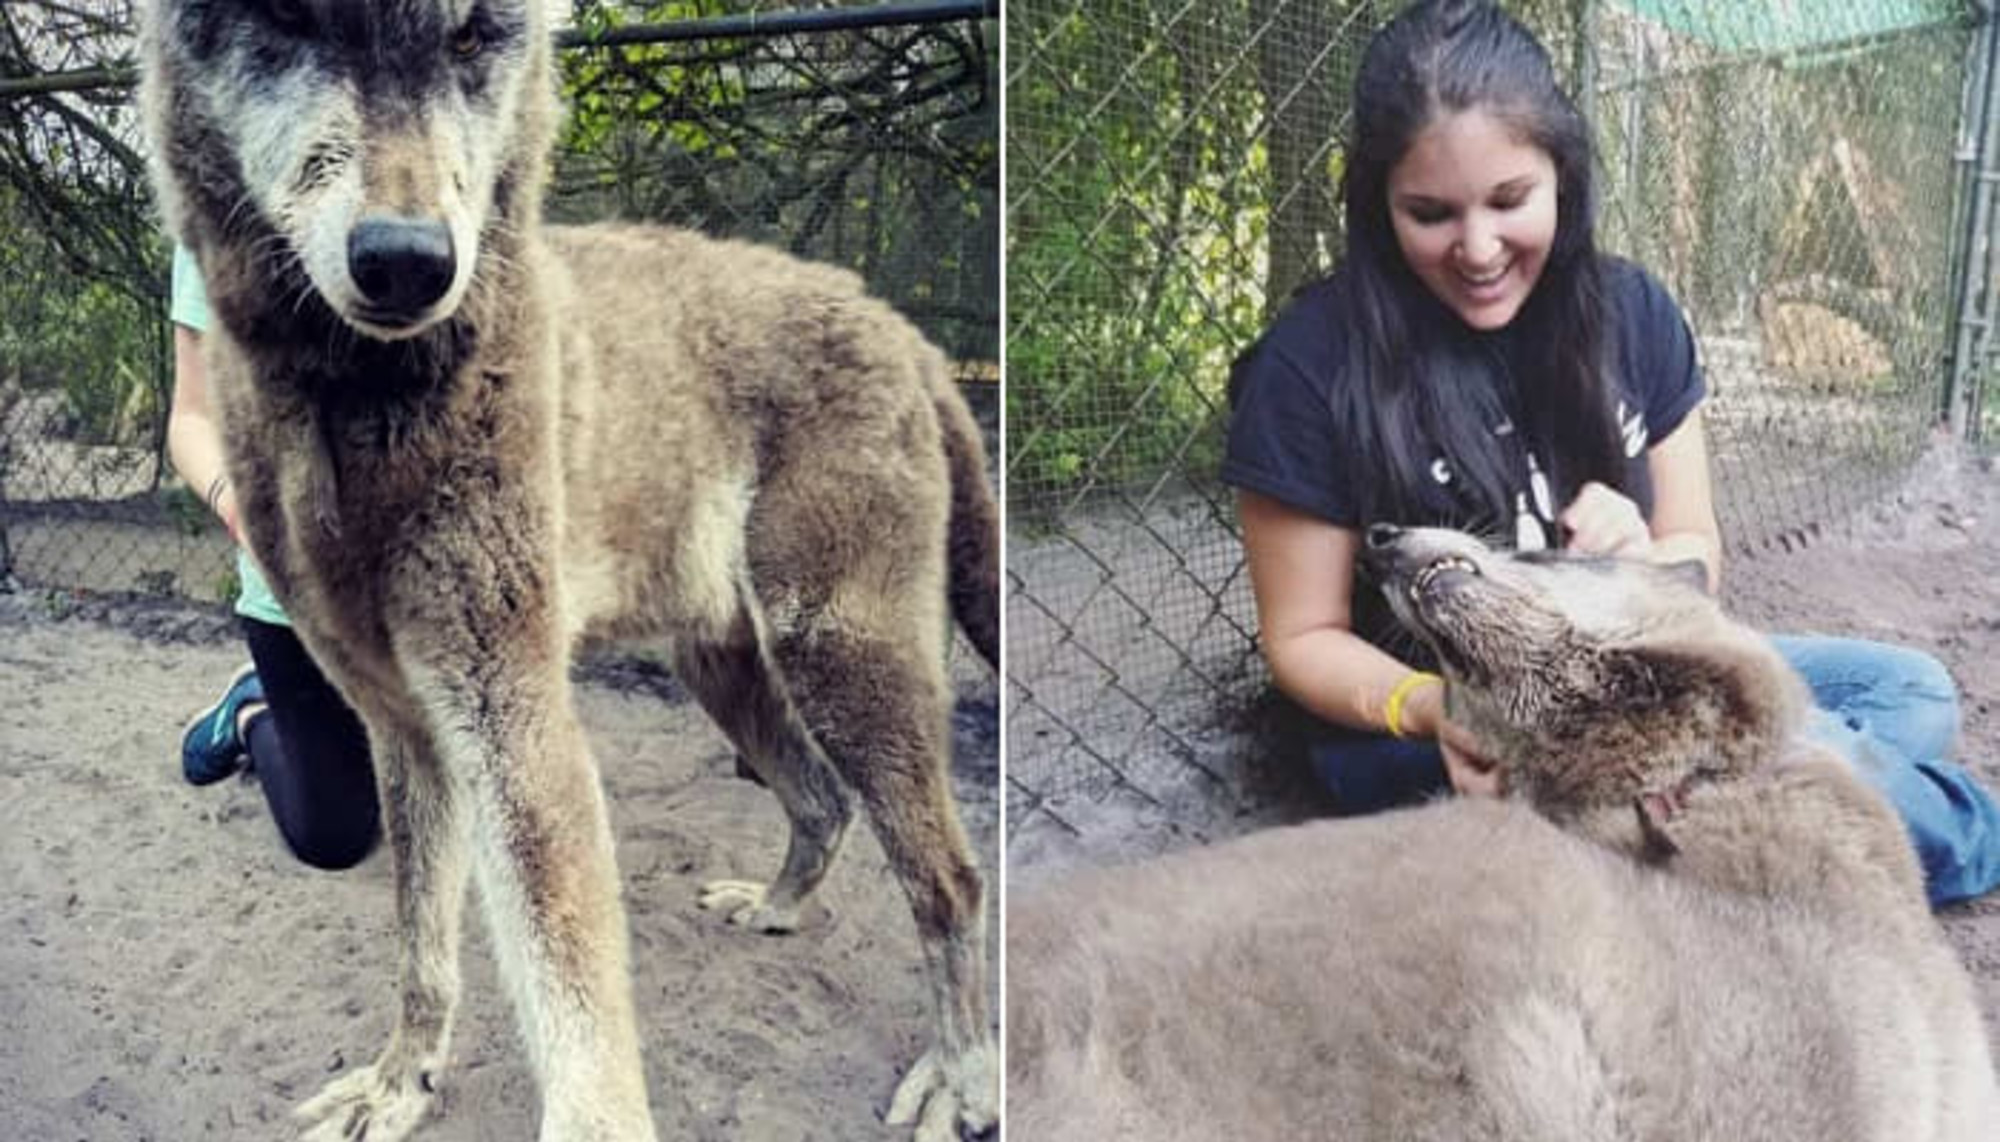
(1424,384)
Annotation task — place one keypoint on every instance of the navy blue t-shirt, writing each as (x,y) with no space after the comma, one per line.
(1284,441)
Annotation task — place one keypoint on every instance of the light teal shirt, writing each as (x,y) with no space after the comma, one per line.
(190,308)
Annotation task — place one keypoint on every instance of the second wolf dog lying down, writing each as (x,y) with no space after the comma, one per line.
(1681,923)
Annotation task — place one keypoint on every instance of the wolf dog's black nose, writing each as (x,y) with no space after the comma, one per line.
(400,265)
(1381,535)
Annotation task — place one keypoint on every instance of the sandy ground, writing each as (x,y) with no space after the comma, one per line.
(1922,569)
(168,972)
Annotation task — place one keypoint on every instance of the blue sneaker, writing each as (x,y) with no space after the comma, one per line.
(211,747)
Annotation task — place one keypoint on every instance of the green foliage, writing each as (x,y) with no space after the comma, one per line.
(874,150)
(1138,241)
(84,338)
(1172,170)
(227,585)
(616,99)
(108,392)
(190,516)
(81,262)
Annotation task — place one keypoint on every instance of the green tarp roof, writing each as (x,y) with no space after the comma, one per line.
(1792,25)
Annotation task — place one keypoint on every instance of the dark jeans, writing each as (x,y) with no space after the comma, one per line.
(310,755)
(1368,773)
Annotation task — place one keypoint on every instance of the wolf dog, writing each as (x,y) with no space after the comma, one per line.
(1681,922)
(463,440)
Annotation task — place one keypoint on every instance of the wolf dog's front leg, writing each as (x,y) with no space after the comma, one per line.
(384,1101)
(542,853)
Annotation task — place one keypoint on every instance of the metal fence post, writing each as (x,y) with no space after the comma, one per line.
(1584,61)
(1976,245)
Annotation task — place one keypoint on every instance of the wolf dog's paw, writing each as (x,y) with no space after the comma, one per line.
(369,1105)
(949,1099)
(746,903)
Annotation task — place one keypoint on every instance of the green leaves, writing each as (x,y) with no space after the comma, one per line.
(1139,213)
(873,149)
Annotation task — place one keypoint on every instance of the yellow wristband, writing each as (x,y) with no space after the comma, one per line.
(1392,712)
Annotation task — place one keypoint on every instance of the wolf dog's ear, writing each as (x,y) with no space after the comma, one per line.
(1693,572)
(1670,676)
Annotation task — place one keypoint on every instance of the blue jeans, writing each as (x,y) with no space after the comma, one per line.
(1890,711)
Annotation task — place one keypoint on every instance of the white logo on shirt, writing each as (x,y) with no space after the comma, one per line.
(1632,426)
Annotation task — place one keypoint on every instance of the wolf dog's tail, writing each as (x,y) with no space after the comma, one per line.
(974,537)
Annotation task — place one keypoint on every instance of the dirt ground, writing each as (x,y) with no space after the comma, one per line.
(1922,569)
(168,972)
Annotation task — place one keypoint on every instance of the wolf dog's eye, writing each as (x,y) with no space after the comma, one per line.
(467,42)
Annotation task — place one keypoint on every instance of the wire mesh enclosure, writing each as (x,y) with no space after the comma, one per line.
(865,136)
(1792,172)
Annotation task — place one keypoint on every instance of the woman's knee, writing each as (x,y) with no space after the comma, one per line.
(1901,695)
(1922,675)
(1919,706)
(1836,664)
(331,845)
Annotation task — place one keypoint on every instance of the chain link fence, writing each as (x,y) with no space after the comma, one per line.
(865,136)
(1792,172)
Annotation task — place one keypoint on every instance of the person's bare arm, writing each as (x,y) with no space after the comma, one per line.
(194,439)
(1683,523)
(1302,573)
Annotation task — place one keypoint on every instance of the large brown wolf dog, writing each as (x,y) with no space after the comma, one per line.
(461,441)
(1684,923)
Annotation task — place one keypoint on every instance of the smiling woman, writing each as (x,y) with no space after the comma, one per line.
(1475,213)
(1476,363)
(1452,371)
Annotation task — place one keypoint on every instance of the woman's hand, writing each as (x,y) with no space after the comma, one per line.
(1602,522)
(1471,771)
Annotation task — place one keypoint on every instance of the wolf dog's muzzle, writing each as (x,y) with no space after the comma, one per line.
(401,266)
